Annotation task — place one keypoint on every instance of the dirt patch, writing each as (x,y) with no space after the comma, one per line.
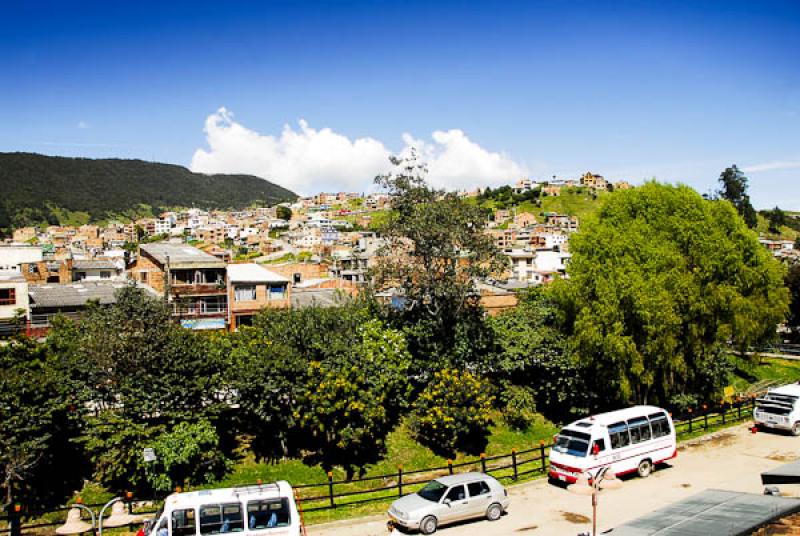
(722,439)
(782,457)
(686,485)
(526,529)
(575,518)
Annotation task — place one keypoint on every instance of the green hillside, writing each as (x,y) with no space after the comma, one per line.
(57,190)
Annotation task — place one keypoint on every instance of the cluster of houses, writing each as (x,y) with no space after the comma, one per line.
(217,269)
(552,187)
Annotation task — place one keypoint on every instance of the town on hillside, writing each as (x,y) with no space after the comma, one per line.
(218,268)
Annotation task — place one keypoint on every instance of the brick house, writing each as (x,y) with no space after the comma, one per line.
(193,281)
(252,287)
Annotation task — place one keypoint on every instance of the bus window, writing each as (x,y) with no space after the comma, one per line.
(659,424)
(640,429)
(618,432)
(268,513)
(183,523)
(574,443)
(221,518)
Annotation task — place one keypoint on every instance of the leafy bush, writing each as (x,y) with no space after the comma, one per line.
(452,413)
(188,455)
(518,406)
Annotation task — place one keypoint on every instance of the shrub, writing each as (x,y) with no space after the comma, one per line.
(452,413)
(518,406)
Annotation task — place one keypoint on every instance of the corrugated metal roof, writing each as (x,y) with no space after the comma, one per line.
(94,265)
(711,512)
(73,294)
(253,273)
(181,255)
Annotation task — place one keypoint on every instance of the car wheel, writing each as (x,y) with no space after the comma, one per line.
(428,525)
(494,512)
(645,468)
(796,429)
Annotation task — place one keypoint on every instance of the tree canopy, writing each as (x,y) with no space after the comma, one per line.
(733,188)
(660,281)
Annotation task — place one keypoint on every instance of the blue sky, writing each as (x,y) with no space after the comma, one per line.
(631,90)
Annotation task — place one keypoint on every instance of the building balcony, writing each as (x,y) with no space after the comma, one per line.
(199,310)
(195,289)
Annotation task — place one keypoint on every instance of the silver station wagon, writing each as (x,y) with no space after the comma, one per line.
(449,499)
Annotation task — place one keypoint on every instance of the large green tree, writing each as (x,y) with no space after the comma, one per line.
(39,464)
(354,399)
(436,249)
(733,188)
(130,367)
(531,353)
(661,281)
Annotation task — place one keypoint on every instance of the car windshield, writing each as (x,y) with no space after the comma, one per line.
(432,491)
(574,443)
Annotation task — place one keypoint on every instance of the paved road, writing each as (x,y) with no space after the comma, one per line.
(731,459)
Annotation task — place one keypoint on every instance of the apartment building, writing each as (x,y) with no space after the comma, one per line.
(193,281)
(252,287)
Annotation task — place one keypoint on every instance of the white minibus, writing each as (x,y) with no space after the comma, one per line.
(263,510)
(627,440)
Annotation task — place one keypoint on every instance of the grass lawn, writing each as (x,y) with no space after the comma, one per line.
(781,371)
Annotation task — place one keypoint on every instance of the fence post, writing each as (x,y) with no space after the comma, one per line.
(400,480)
(514,461)
(690,419)
(705,417)
(450,466)
(330,488)
(722,404)
(483,462)
(14,521)
(541,455)
(739,408)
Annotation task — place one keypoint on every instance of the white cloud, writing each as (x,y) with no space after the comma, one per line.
(307,160)
(772,166)
(82,124)
(456,162)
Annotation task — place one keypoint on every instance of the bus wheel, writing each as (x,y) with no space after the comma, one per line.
(645,468)
(796,429)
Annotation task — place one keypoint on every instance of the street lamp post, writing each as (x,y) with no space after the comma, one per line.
(593,484)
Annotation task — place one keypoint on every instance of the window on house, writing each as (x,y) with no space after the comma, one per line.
(8,296)
(276,292)
(105,275)
(245,293)
(80,276)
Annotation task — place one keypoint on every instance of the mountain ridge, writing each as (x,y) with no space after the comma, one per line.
(38,188)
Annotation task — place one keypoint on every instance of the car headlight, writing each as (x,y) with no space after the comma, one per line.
(402,515)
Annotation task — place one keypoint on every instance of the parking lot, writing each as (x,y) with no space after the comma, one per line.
(729,459)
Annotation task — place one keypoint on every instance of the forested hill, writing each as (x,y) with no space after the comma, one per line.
(37,188)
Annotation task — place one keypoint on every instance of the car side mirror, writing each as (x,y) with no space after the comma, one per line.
(447,502)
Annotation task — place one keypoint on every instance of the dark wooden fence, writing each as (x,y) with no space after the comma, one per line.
(348,493)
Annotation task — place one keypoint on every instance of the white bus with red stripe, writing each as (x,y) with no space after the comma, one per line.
(627,440)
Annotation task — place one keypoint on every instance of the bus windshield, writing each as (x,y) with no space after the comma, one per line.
(571,442)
